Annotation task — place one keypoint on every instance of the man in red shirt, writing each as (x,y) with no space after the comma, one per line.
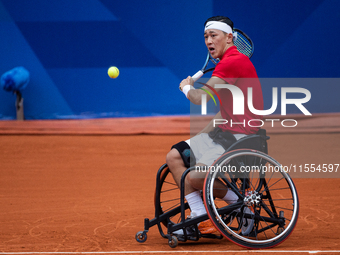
(203,149)
(235,68)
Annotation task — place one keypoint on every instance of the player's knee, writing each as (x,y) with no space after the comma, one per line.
(172,157)
(181,151)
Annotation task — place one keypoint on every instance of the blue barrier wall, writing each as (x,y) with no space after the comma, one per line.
(68,45)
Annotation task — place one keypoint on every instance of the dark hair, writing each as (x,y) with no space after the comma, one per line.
(222,19)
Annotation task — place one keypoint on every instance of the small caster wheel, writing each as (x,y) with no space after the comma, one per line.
(141,237)
(173,242)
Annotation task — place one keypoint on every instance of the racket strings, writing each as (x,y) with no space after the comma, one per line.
(243,45)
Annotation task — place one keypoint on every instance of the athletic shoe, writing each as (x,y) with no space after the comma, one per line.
(206,227)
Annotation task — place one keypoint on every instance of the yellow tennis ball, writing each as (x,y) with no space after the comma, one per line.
(113,72)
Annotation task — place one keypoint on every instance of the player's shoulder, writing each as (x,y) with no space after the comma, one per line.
(235,58)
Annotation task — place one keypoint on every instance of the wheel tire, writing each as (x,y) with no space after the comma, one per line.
(141,237)
(173,242)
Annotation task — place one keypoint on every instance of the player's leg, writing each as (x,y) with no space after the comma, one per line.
(177,167)
(207,152)
(178,160)
(196,179)
(181,157)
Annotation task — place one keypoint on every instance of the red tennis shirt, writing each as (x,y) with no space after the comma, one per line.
(236,69)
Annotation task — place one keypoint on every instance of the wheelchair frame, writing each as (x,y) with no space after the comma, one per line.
(256,144)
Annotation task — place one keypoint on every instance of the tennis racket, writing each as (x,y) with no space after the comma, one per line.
(244,45)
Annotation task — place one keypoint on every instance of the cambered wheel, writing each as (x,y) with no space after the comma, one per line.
(267,199)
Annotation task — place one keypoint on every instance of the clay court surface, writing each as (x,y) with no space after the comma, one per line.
(86,186)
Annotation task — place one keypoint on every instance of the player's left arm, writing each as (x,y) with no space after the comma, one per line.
(195,95)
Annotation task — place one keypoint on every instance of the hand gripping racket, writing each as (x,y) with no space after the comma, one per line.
(244,45)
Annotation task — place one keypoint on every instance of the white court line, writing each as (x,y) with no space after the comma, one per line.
(151,252)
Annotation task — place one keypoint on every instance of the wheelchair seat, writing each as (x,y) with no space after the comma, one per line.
(256,141)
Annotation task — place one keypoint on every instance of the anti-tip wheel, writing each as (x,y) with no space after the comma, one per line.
(141,237)
(173,242)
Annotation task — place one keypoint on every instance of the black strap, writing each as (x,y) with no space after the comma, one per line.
(224,138)
(186,153)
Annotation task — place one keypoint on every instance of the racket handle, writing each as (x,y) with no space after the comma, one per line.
(197,75)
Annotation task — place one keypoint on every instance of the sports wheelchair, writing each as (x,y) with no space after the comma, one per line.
(258,180)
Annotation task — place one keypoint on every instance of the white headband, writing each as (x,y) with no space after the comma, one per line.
(220,26)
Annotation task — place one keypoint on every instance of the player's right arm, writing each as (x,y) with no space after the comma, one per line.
(195,95)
